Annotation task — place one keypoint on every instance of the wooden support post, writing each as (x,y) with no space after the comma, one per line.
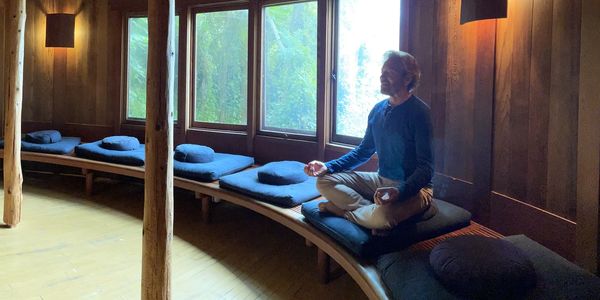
(89,181)
(158,204)
(13,175)
(323,263)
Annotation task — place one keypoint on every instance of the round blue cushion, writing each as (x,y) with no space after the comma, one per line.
(120,143)
(43,137)
(194,153)
(482,268)
(282,173)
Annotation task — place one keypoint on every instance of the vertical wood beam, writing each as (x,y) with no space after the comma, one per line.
(158,204)
(13,176)
(588,141)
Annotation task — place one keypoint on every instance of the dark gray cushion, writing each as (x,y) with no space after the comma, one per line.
(482,267)
(120,143)
(360,241)
(43,137)
(408,275)
(282,173)
(191,153)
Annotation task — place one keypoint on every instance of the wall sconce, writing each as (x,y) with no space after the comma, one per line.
(473,10)
(60,30)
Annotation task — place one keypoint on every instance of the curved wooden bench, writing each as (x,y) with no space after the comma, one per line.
(362,272)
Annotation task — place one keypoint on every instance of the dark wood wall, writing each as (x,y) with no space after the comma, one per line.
(505,101)
(504,96)
(2,65)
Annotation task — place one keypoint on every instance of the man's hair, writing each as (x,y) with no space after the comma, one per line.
(406,65)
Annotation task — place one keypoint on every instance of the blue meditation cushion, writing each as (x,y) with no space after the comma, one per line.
(43,137)
(221,165)
(482,267)
(120,143)
(362,243)
(64,146)
(282,173)
(246,182)
(191,153)
(95,151)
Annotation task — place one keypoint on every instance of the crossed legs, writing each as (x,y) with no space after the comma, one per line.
(350,195)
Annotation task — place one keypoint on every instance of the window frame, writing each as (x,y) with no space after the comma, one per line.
(207,8)
(126,120)
(260,108)
(336,138)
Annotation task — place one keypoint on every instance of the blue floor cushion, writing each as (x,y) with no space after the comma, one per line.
(362,243)
(43,137)
(95,151)
(221,164)
(64,146)
(287,195)
(408,275)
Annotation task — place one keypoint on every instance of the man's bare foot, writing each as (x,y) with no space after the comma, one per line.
(329,207)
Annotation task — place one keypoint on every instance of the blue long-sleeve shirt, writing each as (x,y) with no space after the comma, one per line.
(402,138)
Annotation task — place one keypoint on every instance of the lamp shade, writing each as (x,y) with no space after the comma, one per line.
(473,10)
(60,30)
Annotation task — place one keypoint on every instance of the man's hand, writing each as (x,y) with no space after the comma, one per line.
(315,168)
(386,195)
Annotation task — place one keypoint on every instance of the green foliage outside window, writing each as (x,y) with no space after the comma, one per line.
(137,66)
(366,30)
(290,68)
(222,67)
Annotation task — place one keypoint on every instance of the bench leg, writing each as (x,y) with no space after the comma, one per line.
(206,206)
(89,181)
(308,243)
(323,262)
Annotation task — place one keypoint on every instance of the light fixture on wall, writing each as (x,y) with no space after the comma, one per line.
(60,30)
(473,10)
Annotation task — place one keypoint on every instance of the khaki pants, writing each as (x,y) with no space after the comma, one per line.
(353,192)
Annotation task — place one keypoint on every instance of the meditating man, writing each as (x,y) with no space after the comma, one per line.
(399,131)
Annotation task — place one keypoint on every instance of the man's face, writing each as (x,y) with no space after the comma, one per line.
(391,80)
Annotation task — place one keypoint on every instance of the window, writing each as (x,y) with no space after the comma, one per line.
(289,83)
(221,67)
(137,60)
(366,29)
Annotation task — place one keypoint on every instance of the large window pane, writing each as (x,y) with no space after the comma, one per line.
(221,67)
(290,68)
(137,60)
(366,30)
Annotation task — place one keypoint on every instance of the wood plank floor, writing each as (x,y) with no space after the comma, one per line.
(72,247)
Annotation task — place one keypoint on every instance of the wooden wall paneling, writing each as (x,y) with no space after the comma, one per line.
(519,107)
(483,116)
(115,72)
(502,95)
(588,148)
(438,93)
(267,149)
(39,67)
(220,141)
(539,94)
(420,45)
(460,92)
(103,111)
(2,58)
(510,216)
(563,109)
